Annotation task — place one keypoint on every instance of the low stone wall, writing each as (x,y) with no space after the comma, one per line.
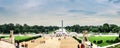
(6,40)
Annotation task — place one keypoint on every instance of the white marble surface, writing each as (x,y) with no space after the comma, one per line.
(6,45)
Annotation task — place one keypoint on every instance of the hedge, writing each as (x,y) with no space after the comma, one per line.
(77,39)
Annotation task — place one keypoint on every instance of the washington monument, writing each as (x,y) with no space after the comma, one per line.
(62,25)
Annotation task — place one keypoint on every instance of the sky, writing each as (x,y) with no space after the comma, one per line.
(51,12)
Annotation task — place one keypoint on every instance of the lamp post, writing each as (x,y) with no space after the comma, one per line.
(119,34)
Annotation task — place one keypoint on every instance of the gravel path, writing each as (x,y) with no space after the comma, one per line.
(68,43)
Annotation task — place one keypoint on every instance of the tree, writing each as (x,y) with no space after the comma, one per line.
(94,29)
(113,27)
(116,29)
(26,28)
(18,28)
(106,27)
(76,28)
(11,26)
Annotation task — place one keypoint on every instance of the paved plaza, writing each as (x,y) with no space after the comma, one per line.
(53,43)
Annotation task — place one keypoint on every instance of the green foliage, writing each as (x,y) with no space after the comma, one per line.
(99,42)
(2,36)
(77,39)
(106,27)
(5,28)
(101,28)
(94,41)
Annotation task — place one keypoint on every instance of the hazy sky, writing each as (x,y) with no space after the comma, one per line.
(51,12)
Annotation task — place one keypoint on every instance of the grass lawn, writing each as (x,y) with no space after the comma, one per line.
(21,37)
(18,37)
(104,38)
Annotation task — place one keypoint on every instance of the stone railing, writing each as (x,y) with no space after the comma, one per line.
(6,40)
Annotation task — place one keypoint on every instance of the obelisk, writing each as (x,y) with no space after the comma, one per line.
(62,25)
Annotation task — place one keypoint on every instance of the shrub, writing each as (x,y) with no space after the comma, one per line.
(99,42)
(117,39)
(27,39)
(2,36)
(77,39)
(107,41)
(111,41)
(94,41)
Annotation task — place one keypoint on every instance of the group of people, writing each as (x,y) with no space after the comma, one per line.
(23,45)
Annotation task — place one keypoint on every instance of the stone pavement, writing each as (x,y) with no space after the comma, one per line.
(6,45)
(50,43)
(35,43)
(69,42)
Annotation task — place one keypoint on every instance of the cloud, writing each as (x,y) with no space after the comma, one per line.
(49,12)
(82,12)
(118,12)
(114,1)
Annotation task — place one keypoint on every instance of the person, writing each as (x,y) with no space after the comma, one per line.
(85,39)
(82,46)
(0,39)
(33,40)
(26,45)
(78,46)
(59,38)
(91,45)
(64,37)
(22,45)
(17,44)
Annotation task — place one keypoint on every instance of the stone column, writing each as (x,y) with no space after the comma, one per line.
(11,37)
(85,35)
(84,38)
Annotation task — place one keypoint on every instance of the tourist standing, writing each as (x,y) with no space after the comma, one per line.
(17,44)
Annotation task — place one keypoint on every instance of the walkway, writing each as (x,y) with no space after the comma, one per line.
(69,42)
(35,43)
(6,45)
(50,43)
(55,43)
(110,45)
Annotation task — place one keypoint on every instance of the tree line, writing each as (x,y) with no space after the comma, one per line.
(105,28)
(5,28)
